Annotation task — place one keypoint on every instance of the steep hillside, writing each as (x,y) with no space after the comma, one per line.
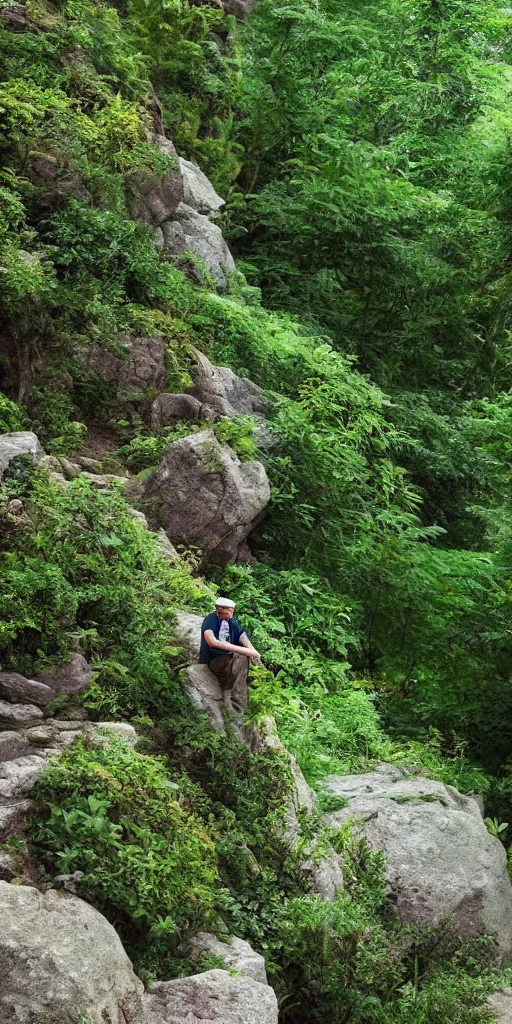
(326,439)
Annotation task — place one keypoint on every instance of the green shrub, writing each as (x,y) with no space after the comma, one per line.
(83,574)
(114,814)
(11,416)
(238,434)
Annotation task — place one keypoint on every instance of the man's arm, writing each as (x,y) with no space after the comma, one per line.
(244,639)
(223,645)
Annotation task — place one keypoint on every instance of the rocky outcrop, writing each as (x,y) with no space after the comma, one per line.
(140,368)
(28,740)
(198,191)
(218,388)
(207,497)
(204,692)
(215,997)
(168,409)
(193,232)
(14,716)
(60,961)
(501,1005)
(241,9)
(71,676)
(441,862)
(188,631)
(16,688)
(154,197)
(20,442)
(237,954)
(123,730)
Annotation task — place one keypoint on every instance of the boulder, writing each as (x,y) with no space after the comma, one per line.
(169,409)
(61,961)
(138,516)
(188,632)
(91,465)
(13,816)
(239,8)
(123,730)
(215,997)
(12,745)
(141,367)
(325,872)
(7,866)
(18,716)
(441,862)
(165,547)
(17,777)
(102,482)
(70,469)
(207,497)
(155,197)
(17,689)
(71,676)
(51,463)
(20,442)
(236,953)
(192,232)
(501,1005)
(205,694)
(223,391)
(198,191)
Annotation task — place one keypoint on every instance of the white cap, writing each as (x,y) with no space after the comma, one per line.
(224,602)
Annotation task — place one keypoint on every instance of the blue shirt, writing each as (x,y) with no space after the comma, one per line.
(214,623)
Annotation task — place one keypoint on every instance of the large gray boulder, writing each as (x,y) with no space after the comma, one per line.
(441,862)
(18,716)
(215,997)
(198,191)
(501,1005)
(218,388)
(140,367)
(241,9)
(17,689)
(13,817)
(68,677)
(168,409)
(61,961)
(207,497)
(19,442)
(17,777)
(236,953)
(193,232)
(204,692)
(154,197)
(12,745)
(188,632)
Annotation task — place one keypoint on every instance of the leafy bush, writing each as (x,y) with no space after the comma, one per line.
(114,814)
(11,416)
(238,434)
(82,573)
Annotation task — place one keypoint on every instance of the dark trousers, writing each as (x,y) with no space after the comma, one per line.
(231,671)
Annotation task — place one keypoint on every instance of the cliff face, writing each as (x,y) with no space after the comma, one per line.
(163,435)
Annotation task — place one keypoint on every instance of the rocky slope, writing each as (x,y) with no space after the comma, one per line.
(61,961)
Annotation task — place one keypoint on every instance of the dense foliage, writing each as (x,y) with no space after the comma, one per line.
(365,155)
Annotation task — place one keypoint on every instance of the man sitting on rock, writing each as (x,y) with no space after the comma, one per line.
(226,648)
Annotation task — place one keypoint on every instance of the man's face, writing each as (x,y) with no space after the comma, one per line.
(224,613)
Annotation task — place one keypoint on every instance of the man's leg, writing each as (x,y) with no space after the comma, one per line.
(231,671)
